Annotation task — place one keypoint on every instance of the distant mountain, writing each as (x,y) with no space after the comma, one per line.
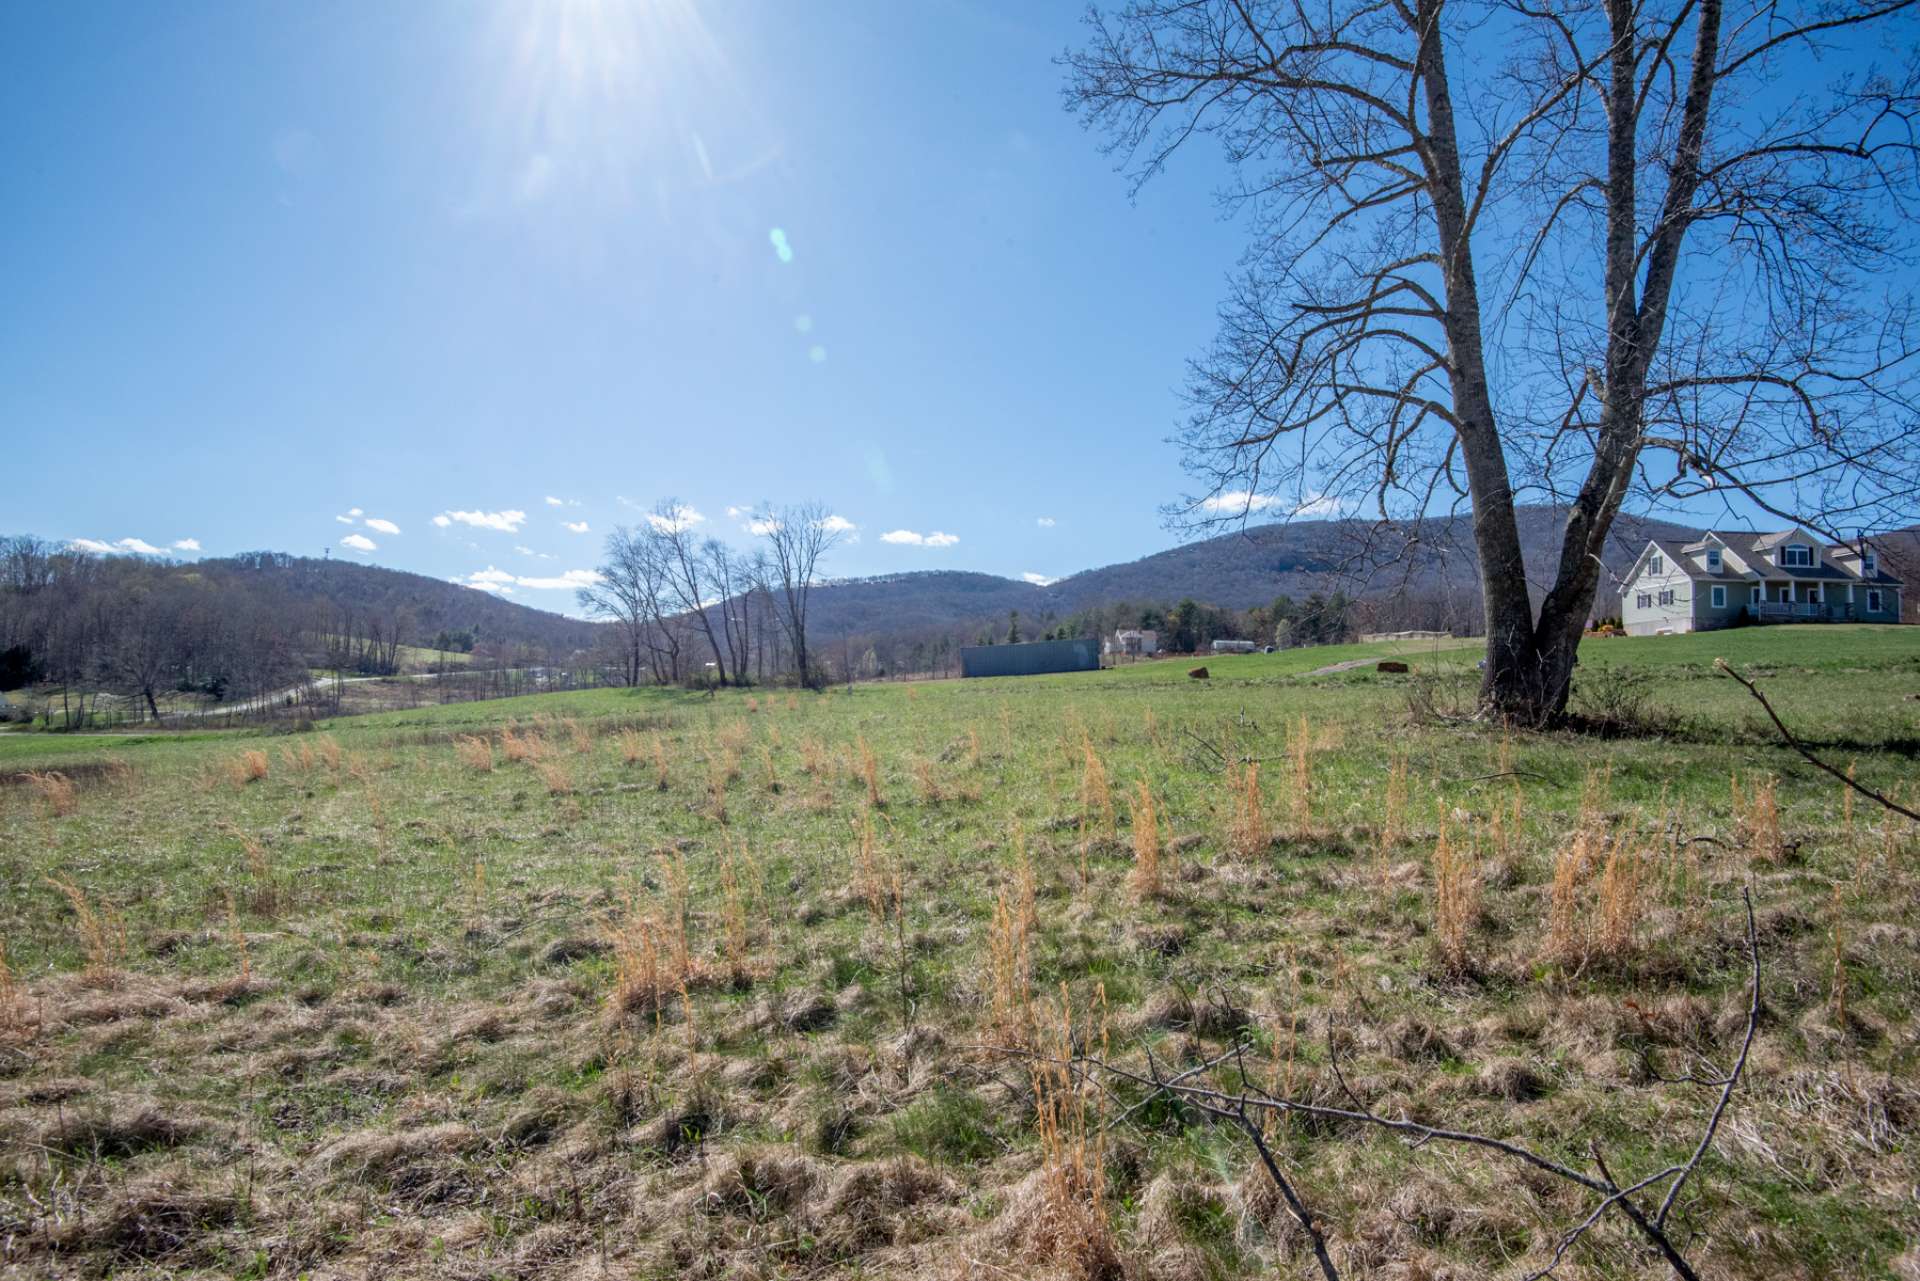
(1429,560)
(425,605)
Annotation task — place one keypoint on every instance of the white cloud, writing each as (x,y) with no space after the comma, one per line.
(838,525)
(186,544)
(494,579)
(567,581)
(359,542)
(140,546)
(93,545)
(911,538)
(1039,580)
(761,526)
(1239,500)
(1318,504)
(574,526)
(355,511)
(675,521)
(735,513)
(1045,522)
(554,502)
(382,526)
(524,551)
(344,520)
(507,522)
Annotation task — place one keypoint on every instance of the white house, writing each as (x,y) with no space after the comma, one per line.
(1787,576)
(1135,644)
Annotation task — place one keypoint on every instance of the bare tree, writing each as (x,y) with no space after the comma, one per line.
(798,536)
(1567,253)
(627,596)
(686,571)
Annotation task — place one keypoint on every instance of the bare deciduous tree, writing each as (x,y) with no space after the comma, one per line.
(798,537)
(1575,253)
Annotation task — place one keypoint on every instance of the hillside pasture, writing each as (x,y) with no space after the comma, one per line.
(643,983)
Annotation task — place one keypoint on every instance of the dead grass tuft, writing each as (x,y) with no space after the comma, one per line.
(1144,879)
(1456,899)
(103,933)
(249,767)
(56,792)
(475,753)
(1247,830)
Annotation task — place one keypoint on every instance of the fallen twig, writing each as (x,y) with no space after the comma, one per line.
(1804,751)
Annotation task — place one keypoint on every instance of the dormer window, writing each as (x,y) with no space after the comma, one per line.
(1656,564)
(1796,556)
(1869,564)
(1713,560)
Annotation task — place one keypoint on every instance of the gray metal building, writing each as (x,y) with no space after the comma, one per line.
(1032,658)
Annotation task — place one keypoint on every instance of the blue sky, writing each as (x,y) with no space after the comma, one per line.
(276,272)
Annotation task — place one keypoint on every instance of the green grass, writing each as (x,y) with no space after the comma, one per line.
(426,1050)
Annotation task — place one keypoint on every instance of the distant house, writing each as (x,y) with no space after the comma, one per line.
(1134,644)
(1234,647)
(1787,576)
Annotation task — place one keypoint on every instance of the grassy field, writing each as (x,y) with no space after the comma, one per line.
(651,984)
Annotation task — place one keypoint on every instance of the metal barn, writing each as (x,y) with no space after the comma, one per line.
(1032,658)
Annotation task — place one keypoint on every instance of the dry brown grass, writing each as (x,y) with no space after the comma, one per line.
(661,778)
(1623,887)
(1456,899)
(103,932)
(475,752)
(555,777)
(973,748)
(1568,940)
(869,771)
(56,792)
(769,772)
(1247,830)
(1144,879)
(736,873)
(1009,955)
(1071,1225)
(1097,819)
(1300,753)
(329,751)
(1756,812)
(250,766)
(931,793)
(870,870)
(579,736)
(632,746)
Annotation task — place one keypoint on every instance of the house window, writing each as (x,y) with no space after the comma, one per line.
(1656,564)
(1719,598)
(1870,564)
(1873,602)
(1797,556)
(1666,596)
(1643,601)
(1713,560)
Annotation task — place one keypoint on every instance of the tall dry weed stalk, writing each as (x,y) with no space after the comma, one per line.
(103,933)
(770,773)
(1596,793)
(1300,751)
(633,748)
(1756,814)
(329,750)
(56,791)
(556,778)
(1073,1225)
(869,772)
(661,779)
(1568,940)
(1623,887)
(475,752)
(1144,879)
(1009,951)
(250,766)
(1456,898)
(1247,830)
(973,748)
(733,911)
(1837,991)
(1846,797)
(1097,819)
(929,787)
